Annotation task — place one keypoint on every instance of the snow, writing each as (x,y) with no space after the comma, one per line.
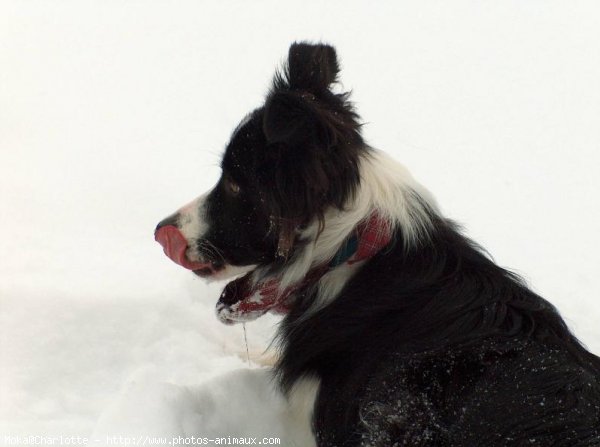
(114,114)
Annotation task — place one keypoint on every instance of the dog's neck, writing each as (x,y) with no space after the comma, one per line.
(387,188)
(387,193)
(245,300)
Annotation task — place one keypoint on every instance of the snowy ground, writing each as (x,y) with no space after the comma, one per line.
(112,114)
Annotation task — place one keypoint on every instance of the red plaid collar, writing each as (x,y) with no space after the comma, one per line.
(243,301)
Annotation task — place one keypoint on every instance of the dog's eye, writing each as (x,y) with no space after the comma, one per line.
(233,187)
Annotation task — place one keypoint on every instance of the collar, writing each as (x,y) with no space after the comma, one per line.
(243,300)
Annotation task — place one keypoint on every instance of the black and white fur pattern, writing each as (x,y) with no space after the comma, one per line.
(427,343)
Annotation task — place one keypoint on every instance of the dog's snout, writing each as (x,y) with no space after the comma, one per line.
(175,246)
(172,220)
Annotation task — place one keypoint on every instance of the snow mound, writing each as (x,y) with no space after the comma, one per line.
(242,404)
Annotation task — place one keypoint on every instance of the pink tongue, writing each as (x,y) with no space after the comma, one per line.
(175,245)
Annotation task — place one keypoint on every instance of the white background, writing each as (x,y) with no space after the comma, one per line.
(113,114)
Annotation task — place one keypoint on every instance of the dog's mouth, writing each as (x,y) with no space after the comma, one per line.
(241,300)
(206,272)
(175,247)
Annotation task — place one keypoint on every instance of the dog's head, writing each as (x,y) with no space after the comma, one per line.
(287,162)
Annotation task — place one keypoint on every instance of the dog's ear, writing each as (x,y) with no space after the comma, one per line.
(293,111)
(312,138)
(311,155)
(290,118)
(311,67)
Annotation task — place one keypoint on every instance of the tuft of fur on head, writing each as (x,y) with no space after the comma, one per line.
(309,67)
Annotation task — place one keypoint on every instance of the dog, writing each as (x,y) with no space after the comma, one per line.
(396,329)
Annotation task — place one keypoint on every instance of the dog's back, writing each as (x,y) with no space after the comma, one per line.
(449,350)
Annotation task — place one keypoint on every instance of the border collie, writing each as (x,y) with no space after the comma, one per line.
(397,328)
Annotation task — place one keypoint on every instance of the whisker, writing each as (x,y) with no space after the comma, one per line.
(210,248)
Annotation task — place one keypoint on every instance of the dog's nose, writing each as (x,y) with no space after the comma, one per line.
(171,220)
